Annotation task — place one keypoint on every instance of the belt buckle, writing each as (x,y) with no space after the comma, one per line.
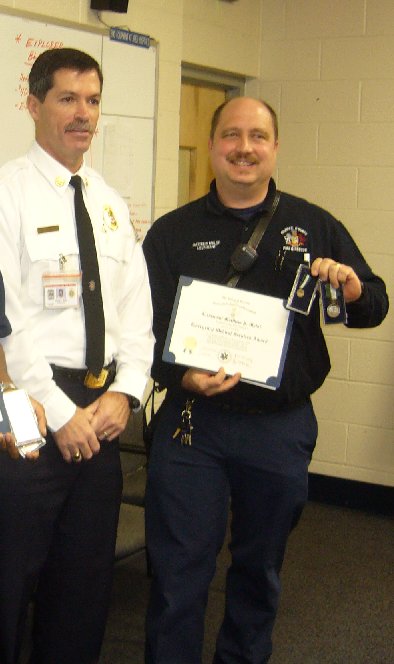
(95,382)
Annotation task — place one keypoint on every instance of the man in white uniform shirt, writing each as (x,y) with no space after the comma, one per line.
(58,516)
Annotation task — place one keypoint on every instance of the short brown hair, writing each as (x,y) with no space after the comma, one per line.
(218,112)
(48,62)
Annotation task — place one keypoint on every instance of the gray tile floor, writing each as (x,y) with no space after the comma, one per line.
(337,603)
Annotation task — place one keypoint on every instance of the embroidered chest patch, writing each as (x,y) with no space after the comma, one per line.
(295,239)
(206,245)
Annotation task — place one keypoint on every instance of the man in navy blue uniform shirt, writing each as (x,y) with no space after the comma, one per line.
(250,446)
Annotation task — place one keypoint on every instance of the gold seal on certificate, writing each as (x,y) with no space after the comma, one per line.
(215,326)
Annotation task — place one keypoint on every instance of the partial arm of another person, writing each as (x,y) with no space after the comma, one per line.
(7,440)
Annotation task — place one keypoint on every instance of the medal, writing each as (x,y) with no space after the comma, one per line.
(332,303)
(333,310)
(303,291)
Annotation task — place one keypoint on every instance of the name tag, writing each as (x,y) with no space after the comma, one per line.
(47,229)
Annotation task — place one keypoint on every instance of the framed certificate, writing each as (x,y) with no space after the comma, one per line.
(215,326)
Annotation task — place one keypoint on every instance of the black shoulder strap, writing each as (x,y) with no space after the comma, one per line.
(262,225)
(255,238)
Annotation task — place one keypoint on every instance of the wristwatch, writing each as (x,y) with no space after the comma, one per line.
(5,387)
(134,403)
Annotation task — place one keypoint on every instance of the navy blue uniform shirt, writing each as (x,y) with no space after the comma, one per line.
(198,239)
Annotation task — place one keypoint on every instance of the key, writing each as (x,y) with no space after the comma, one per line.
(186,437)
(186,432)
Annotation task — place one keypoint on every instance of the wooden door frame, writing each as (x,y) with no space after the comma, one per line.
(233,84)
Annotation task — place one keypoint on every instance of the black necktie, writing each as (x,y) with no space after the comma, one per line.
(91,285)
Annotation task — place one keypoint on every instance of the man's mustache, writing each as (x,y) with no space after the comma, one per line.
(80,126)
(242,156)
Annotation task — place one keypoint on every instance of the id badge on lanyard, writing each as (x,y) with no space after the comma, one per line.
(61,289)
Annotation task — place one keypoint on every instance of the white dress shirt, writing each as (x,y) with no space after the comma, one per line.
(38,233)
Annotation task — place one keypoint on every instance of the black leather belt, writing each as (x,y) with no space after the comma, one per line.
(84,376)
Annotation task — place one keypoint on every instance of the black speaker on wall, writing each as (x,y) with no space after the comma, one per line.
(110,5)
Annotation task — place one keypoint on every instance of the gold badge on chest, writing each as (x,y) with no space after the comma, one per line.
(109,220)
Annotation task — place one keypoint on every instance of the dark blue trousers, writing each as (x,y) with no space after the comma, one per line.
(58,524)
(257,465)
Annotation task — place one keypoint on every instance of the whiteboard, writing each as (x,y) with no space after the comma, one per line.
(123,148)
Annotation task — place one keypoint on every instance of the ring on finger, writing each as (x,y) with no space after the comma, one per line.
(105,434)
(77,456)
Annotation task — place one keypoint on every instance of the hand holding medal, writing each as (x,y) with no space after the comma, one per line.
(338,275)
(339,285)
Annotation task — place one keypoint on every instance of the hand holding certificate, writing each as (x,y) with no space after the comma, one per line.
(213,326)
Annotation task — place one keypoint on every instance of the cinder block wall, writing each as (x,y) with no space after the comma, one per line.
(328,67)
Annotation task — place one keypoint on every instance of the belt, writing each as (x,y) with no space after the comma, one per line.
(239,409)
(244,409)
(86,378)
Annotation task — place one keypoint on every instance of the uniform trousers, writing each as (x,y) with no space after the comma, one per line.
(256,464)
(58,524)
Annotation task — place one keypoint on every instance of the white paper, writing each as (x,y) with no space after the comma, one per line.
(215,326)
